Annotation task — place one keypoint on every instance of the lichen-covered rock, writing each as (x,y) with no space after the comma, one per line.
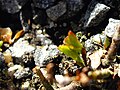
(111,27)
(43,4)
(12,6)
(94,43)
(22,73)
(43,55)
(94,17)
(43,38)
(20,47)
(56,11)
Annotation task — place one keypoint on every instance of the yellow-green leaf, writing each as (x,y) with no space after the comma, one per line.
(106,42)
(72,47)
(72,40)
(1,43)
(66,50)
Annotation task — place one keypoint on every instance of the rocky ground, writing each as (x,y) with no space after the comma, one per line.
(32,30)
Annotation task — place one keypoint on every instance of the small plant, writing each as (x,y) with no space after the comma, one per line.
(73,48)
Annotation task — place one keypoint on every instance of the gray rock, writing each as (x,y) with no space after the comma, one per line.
(56,11)
(43,38)
(93,43)
(43,54)
(73,6)
(43,4)
(12,6)
(20,47)
(2,61)
(21,73)
(111,27)
(25,85)
(97,15)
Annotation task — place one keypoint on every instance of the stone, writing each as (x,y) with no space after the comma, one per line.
(25,85)
(63,80)
(43,4)
(2,61)
(56,11)
(43,38)
(12,6)
(14,68)
(22,73)
(96,16)
(111,27)
(20,47)
(75,5)
(44,54)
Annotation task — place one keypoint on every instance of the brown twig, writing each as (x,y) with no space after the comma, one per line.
(114,45)
(42,78)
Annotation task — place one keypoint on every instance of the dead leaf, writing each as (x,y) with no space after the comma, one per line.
(18,34)
(95,58)
(6,34)
(8,57)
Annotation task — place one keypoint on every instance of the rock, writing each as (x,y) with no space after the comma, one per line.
(28,59)
(111,27)
(56,11)
(44,54)
(94,17)
(73,6)
(43,4)
(22,73)
(2,62)
(112,3)
(93,43)
(20,47)
(25,85)
(43,38)
(14,68)
(63,80)
(12,6)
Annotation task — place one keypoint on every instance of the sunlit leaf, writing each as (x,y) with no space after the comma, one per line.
(66,50)
(1,43)
(72,40)
(18,34)
(72,47)
(6,35)
(106,42)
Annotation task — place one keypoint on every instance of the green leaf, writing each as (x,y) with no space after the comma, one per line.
(72,40)
(106,42)
(1,43)
(66,50)
(72,47)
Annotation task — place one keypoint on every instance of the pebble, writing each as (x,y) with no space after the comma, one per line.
(111,27)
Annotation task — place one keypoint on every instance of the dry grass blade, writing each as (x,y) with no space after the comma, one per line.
(42,78)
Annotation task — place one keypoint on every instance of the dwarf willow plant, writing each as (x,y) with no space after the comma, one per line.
(73,48)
